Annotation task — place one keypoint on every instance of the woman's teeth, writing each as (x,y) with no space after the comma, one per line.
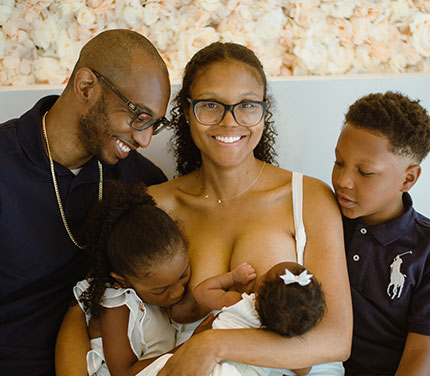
(227,140)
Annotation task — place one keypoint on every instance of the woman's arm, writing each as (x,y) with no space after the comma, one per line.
(415,359)
(214,292)
(329,341)
(72,344)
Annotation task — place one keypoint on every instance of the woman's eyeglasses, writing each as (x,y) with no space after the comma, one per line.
(210,112)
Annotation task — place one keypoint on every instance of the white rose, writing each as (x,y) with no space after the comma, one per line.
(209,5)
(339,59)
(48,70)
(422,5)
(342,9)
(2,45)
(400,12)
(86,18)
(151,13)
(192,40)
(312,55)
(6,7)
(420,30)
(44,32)
(270,25)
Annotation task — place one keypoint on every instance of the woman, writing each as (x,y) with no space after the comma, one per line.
(235,206)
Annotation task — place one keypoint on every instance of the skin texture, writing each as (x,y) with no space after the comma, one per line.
(222,236)
(369,181)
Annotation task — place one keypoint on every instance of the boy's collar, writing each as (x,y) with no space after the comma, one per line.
(393,229)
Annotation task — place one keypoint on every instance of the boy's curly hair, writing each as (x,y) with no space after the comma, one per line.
(188,157)
(126,234)
(290,310)
(404,122)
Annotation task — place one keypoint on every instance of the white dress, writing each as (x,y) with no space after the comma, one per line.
(149,328)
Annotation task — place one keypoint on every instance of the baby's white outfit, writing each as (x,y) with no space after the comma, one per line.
(149,328)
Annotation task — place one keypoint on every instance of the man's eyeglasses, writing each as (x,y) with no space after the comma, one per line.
(246,114)
(141,120)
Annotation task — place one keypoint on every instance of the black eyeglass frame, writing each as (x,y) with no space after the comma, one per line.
(227,107)
(157,124)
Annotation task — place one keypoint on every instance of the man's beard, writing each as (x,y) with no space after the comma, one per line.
(94,130)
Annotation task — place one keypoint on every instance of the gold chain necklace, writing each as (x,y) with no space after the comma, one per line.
(206,195)
(57,192)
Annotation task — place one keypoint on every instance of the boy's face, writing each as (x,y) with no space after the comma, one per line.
(367,178)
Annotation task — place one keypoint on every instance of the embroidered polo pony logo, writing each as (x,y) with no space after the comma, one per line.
(397,278)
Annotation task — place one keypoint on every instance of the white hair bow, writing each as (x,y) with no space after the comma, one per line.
(302,279)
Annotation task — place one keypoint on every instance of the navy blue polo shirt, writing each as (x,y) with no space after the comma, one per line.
(389,272)
(39,264)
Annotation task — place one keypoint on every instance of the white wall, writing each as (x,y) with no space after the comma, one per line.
(308,116)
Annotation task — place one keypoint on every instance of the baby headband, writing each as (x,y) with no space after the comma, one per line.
(302,279)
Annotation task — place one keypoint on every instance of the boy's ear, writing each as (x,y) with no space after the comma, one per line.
(118,278)
(412,174)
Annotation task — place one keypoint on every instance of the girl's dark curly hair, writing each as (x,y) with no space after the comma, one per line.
(188,157)
(404,122)
(290,310)
(126,234)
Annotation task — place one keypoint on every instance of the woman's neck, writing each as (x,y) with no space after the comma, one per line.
(222,184)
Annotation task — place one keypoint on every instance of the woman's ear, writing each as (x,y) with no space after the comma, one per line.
(412,174)
(85,85)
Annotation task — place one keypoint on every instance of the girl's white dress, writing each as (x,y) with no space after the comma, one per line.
(149,328)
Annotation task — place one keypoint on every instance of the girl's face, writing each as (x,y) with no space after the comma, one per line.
(229,82)
(165,284)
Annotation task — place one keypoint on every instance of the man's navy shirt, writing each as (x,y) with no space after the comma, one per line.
(389,272)
(39,264)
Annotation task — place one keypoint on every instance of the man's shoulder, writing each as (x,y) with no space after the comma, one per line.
(137,168)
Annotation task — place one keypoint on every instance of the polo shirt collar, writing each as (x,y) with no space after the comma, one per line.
(30,138)
(392,230)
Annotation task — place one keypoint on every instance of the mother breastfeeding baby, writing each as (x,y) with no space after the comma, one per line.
(235,206)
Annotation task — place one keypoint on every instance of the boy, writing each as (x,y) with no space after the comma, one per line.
(378,156)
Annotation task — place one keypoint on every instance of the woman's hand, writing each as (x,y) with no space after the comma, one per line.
(196,357)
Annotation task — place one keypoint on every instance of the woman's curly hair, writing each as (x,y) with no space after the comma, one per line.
(404,122)
(126,234)
(188,157)
(290,310)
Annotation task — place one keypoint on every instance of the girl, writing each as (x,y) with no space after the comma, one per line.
(139,268)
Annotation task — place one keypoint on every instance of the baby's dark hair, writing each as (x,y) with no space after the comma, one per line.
(188,157)
(126,234)
(290,310)
(404,122)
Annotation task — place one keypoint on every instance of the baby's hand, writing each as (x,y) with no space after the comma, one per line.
(243,274)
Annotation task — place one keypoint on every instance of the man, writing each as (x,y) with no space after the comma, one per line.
(53,161)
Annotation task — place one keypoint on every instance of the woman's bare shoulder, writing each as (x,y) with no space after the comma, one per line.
(165,194)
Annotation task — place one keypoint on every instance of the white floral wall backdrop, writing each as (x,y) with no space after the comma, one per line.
(40,40)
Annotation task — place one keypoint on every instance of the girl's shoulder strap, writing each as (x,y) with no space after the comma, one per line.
(297,197)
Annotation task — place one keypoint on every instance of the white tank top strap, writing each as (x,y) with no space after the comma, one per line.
(297,196)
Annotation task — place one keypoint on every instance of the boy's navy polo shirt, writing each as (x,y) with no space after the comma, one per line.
(39,264)
(389,272)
